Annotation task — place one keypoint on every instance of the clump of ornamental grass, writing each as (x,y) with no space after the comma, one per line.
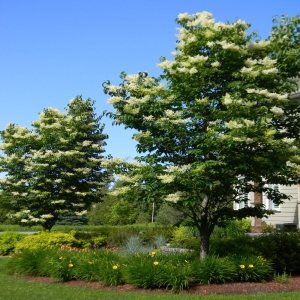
(134,244)
(252,268)
(214,269)
(159,241)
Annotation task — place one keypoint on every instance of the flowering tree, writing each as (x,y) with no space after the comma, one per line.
(218,123)
(55,167)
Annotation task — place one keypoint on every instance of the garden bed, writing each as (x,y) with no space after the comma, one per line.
(202,289)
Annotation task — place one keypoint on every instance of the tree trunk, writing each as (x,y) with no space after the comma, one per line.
(204,246)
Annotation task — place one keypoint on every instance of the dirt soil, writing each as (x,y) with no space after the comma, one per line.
(204,289)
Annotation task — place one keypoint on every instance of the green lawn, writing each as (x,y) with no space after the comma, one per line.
(18,289)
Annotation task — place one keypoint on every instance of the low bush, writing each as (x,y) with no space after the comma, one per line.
(282,248)
(47,240)
(8,241)
(232,229)
(234,246)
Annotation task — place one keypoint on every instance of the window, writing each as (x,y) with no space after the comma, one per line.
(244,203)
(269,203)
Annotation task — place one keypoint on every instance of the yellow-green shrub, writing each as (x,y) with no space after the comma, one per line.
(47,240)
(184,237)
(8,241)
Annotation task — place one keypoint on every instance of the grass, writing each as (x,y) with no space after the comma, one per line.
(19,289)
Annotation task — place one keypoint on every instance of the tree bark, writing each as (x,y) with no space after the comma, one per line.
(204,244)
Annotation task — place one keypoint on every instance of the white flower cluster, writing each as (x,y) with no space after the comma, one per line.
(197,58)
(215,64)
(167,178)
(173,114)
(167,64)
(86,143)
(234,125)
(244,139)
(134,100)
(267,62)
(58,201)
(291,164)
(178,169)
(204,19)
(142,135)
(277,110)
(258,45)
(249,71)
(80,193)
(267,94)
(175,197)
(47,216)
(228,46)
(78,204)
(183,16)
(81,213)
(270,71)
(148,118)
(288,140)
(114,100)
(114,161)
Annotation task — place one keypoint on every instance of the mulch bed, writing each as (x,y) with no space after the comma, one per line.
(203,289)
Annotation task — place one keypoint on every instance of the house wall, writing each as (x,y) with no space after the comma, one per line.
(288,211)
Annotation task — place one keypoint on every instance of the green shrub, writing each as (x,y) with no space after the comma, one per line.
(282,248)
(47,240)
(233,246)
(8,240)
(214,269)
(232,229)
(245,224)
(252,268)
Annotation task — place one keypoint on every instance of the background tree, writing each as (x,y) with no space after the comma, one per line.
(55,167)
(218,123)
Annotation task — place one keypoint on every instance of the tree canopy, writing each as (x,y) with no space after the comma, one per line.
(55,167)
(218,123)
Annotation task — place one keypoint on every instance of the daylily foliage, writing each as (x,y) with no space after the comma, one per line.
(56,166)
(218,123)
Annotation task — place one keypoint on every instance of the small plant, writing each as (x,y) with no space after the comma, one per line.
(283,278)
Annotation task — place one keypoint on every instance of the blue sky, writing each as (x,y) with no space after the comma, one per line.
(53,50)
